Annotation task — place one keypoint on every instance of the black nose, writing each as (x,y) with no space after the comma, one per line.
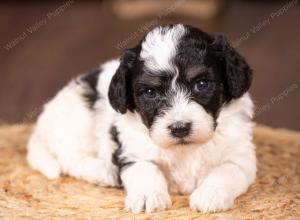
(180,129)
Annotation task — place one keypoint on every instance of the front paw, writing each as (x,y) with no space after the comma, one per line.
(150,202)
(210,199)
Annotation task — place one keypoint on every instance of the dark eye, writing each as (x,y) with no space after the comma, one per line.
(150,93)
(201,85)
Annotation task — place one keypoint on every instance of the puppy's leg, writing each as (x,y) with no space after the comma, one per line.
(105,155)
(40,158)
(219,189)
(89,168)
(146,188)
(104,139)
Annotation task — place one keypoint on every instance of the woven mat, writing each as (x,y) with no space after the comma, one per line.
(25,194)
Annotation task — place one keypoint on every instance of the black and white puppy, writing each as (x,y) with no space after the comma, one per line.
(171,116)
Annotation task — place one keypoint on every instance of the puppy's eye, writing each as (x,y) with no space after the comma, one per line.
(150,93)
(201,85)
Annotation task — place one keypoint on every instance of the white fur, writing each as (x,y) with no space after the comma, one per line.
(146,188)
(159,47)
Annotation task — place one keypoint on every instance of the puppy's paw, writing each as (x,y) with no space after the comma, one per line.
(210,199)
(98,172)
(150,202)
(51,172)
(108,178)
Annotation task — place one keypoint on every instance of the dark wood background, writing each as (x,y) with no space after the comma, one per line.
(87,33)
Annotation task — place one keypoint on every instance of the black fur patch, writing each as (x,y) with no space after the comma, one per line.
(150,108)
(91,95)
(120,93)
(120,161)
(194,51)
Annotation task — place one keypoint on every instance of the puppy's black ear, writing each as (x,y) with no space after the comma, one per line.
(238,72)
(119,92)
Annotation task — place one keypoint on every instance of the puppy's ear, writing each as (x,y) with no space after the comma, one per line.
(238,72)
(119,92)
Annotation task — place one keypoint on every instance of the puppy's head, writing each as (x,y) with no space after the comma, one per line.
(177,79)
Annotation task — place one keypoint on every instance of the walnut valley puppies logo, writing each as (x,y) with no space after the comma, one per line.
(264,23)
(276,99)
(38,25)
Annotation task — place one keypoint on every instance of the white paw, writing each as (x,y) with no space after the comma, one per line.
(107,176)
(150,202)
(97,171)
(210,199)
(51,172)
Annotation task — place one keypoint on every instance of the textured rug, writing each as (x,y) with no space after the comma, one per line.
(26,194)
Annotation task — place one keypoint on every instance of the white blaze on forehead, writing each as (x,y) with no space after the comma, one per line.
(179,103)
(159,47)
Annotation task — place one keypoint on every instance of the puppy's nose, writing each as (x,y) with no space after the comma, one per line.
(180,129)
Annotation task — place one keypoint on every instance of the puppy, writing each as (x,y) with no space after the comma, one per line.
(172,115)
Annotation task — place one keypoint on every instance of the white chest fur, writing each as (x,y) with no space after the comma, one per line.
(184,167)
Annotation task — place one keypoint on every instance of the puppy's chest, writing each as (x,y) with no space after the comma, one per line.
(183,171)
